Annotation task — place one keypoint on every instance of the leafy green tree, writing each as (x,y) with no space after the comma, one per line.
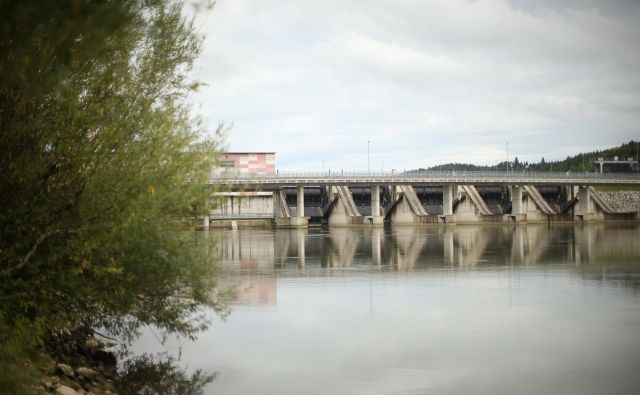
(101,162)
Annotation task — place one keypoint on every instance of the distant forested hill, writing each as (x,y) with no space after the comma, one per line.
(576,163)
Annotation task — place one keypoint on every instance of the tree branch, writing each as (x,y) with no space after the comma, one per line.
(25,260)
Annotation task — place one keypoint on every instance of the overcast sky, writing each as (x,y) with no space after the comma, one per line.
(424,81)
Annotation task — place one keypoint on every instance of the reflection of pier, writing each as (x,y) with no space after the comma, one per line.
(254,259)
(412,248)
(470,243)
(342,248)
(529,244)
(406,248)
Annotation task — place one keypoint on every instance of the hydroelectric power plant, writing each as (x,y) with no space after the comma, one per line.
(265,198)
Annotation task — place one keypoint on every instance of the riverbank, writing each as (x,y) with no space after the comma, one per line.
(83,365)
(80,365)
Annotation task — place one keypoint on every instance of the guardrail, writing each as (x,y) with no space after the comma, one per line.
(481,177)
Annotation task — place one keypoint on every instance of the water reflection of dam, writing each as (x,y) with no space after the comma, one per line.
(255,259)
(409,248)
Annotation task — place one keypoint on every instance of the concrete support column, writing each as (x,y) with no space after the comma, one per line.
(568,193)
(394,192)
(518,213)
(516,200)
(277,212)
(300,203)
(205,222)
(448,193)
(375,200)
(376,218)
(584,207)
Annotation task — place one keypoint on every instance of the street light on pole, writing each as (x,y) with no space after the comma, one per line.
(507,156)
(368,161)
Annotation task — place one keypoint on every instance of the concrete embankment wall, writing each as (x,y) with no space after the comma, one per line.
(243,203)
(242,224)
(622,201)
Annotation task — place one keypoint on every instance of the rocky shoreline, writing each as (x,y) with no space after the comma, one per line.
(81,368)
(80,364)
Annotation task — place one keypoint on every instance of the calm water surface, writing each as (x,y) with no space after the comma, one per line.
(462,310)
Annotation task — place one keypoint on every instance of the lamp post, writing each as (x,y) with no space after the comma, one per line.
(507,156)
(368,161)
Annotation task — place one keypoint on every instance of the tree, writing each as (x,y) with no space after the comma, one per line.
(102,162)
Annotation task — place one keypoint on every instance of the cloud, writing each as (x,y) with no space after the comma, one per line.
(424,82)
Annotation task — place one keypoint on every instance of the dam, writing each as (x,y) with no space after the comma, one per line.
(298,199)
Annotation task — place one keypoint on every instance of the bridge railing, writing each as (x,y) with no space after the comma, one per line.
(427,175)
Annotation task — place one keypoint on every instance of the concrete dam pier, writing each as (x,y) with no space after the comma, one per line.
(299,199)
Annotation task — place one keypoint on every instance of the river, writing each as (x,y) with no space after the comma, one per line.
(532,309)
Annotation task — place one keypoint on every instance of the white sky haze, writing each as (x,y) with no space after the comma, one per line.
(426,82)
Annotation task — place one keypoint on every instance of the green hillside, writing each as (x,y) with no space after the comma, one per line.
(577,163)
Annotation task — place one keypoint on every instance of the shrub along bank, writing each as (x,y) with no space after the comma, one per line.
(102,162)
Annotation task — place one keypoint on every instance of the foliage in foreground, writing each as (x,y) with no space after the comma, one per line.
(96,148)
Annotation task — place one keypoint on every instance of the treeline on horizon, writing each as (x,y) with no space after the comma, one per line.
(582,162)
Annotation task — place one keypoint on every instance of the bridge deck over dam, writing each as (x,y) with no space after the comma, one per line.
(425,178)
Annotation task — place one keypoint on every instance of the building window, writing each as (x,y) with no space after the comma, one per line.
(227,164)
